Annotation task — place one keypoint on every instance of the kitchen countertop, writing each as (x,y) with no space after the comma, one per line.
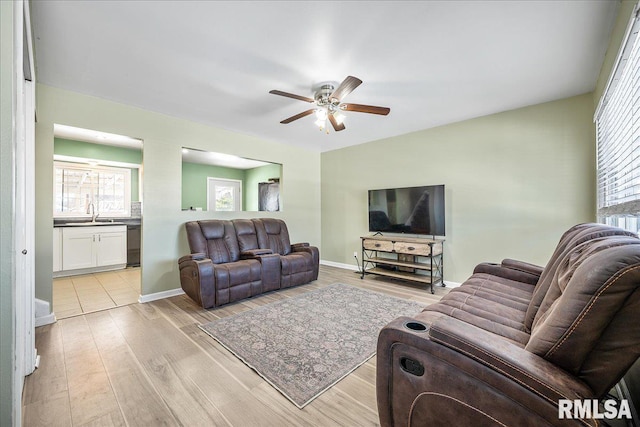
(117,221)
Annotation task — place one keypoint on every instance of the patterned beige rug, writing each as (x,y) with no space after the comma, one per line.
(305,344)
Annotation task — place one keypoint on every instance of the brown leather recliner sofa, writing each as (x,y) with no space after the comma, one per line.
(237,259)
(514,339)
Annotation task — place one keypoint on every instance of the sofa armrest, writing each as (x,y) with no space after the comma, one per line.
(523,367)
(192,257)
(315,256)
(507,273)
(435,370)
(270,268)
(525,267)
(254,253)
(197,278)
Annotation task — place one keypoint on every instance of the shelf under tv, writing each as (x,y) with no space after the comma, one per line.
(406,258)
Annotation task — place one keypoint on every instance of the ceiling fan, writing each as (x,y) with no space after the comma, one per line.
(329,105)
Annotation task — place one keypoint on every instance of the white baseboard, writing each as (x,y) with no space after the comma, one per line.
(339,265)
(451,284)
(43,313)
(46,320)
(160,295)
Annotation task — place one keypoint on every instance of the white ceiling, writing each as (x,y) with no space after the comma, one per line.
(220,159)
(431,62)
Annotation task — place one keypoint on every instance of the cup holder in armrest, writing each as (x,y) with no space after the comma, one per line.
(416,326)
(412,366)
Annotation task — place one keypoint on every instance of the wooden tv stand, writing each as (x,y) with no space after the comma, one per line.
(407,258)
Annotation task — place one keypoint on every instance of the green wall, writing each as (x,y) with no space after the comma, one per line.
(112,153)
(514,182)
(163,236)
(7,296)
(194,182)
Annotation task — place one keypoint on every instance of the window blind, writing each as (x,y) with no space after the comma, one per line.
(618,137)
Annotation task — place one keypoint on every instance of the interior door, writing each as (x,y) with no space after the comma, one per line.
(24,210)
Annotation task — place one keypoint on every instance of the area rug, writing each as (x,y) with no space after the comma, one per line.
(305,344)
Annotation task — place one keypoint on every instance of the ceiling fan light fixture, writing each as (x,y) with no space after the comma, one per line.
(339,117)
(321,114)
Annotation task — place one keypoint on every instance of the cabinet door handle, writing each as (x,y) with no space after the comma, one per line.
(377,245)
(94,237)
(411,248)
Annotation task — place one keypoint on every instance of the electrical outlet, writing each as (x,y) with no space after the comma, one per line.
(355,254)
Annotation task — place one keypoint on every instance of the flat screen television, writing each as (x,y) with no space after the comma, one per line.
(412,210)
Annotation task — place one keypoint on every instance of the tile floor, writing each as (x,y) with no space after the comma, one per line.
(75,295)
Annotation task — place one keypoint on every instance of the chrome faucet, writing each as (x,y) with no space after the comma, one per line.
(92,210)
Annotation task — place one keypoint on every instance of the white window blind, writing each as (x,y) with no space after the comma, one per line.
(618,137)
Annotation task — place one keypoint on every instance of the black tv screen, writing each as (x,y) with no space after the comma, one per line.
(413,210)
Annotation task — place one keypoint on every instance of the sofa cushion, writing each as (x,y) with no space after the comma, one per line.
(246,234)
(273,234)
(215,238)
(493,303)
(237,280)
(498,289)
(297,268)
(296,262)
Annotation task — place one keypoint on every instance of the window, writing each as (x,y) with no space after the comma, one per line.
(618,137)
(78,186)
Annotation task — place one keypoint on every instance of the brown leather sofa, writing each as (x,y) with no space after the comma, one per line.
(515,338)
(233,260)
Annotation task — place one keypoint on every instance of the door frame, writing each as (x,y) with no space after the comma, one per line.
(211,182)
(26,358)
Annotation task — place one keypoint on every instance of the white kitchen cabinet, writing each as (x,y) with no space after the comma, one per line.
(94,247)
(112,247)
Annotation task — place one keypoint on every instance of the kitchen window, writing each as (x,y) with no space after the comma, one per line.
(83,190)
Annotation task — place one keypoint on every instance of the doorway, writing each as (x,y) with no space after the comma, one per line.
(97,197)
(224,195)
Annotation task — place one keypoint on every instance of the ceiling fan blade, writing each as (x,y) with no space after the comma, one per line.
(291,95)
(337,126)
(345,88)
(371,109)
(298,116)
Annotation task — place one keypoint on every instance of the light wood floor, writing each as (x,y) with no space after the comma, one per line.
(75,295)
(149,364)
